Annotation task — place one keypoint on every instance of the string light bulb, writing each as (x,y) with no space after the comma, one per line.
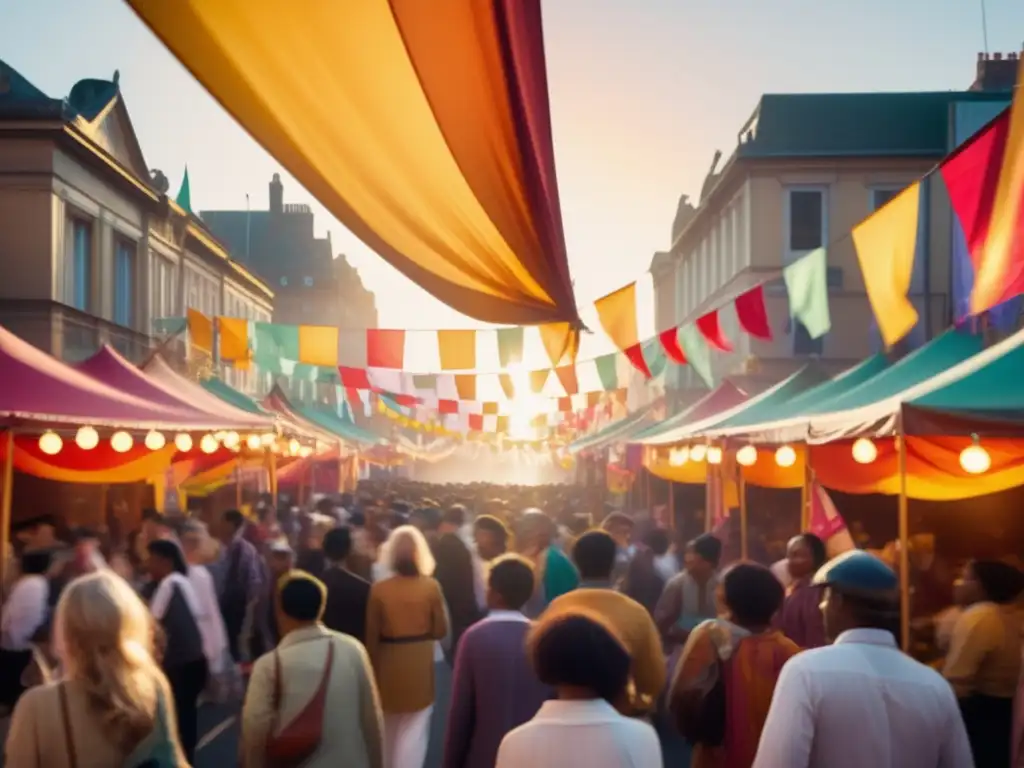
(208,444)
(231,440)
(746,456)
(864,451)
(183,442)
(253,442)
(121,442)
(974,459)
(305,451)
(155,440)
(677,457)
(785,456)
(714,454)
(268,438)
(50,443)
(698,452)
(293,447)
(87,438)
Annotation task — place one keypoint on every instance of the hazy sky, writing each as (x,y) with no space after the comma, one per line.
(642,93)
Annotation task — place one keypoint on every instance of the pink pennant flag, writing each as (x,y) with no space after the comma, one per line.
(827,524)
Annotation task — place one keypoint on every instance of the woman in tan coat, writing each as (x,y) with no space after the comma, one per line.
(405,618)
(114,705)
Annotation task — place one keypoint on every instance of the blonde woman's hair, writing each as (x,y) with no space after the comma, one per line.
(421,551)
(105,639)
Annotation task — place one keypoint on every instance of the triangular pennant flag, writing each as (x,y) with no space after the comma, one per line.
(807,286)
(560,341)
(200,331)
(567,376)
(617,315)
(507,385)
(635,355)
(465,385)
(457,350)
(697,352)
(234,338)
(670,343)
(510,346)
(752,313)
(711,329)
(538,379)
(654,357)
(184,198)
(608,371)
(353,378)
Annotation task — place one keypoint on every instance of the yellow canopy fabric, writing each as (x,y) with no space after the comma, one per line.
(424,127)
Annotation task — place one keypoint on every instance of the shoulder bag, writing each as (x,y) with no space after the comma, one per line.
(298,741)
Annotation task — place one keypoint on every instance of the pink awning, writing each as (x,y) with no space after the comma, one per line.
(111,368)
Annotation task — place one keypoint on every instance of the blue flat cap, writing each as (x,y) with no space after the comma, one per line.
(857,571)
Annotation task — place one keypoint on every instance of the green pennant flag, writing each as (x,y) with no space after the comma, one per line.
(655,357)
(807,285)
(608,371)
(274,345)
(697,351)
(510,346)
(184,198)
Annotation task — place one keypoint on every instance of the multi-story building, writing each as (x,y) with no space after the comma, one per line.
(806,169)
(92,250)
(310,286)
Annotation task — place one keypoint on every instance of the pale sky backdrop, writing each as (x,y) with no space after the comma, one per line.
(642,93)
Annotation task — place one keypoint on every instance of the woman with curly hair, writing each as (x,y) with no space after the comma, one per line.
(114,705)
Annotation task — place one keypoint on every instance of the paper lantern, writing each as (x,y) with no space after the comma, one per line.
(183,442)
(698,452)
(785,456)
(253,442)
(208,444)
(746,456)
(231,440)
(87,438)
(121,442)
(155,440)
(864,451)
(714,454)
(50,443)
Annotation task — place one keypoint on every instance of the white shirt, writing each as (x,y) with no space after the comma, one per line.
(580,733)
(862,702)
(24,612)
(209,619)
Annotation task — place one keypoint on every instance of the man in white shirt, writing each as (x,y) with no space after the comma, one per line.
(861,701)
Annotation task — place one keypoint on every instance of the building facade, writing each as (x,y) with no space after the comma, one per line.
(808,168)
(311,286)
(92,250)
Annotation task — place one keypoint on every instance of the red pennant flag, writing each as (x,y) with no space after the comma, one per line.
(385,348)
(447,406)
(476,422)
(565,404)
(752,314)
(567,376)
(406,401)
(670,343)
(354,378)
(711,330)
(635,354)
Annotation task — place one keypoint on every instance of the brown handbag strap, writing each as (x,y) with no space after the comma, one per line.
(69,739)
(321,689)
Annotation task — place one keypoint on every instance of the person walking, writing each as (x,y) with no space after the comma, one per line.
(861,701)
(455,571)
(489,699)
(243,579)
(313,698)
(113,706)
(347,594)
(581,657)
(800,618)
(405,618)
(555,574)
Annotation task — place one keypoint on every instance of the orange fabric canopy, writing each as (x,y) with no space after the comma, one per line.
(424,127)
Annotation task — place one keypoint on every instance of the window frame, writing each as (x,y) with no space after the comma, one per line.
(126,245)
(75,221)
(789,254)
(873,188)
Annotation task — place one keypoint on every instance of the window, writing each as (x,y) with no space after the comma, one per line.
(882,195)
(805,225)
(78,292)
(124,283)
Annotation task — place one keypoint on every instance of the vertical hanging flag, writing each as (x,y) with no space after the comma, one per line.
(353,378)
(711,329)
(752,313)
(635,355)
(510,346)
(807,287)
(608,371)
(654,357)
(670,343)
(184,198)
(697,352)
(885,243)
(538,379)
(318,345)
(561,340)
(200,331)
(617,315)
(567,377)
(385,348)
(999,273)
(465,385)
(507,385)
(233,339)
(457,350)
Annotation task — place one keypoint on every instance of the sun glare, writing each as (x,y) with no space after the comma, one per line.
(523,407)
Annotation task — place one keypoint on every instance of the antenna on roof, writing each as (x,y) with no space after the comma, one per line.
(984,27)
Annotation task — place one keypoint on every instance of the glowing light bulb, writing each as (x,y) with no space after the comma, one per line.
(293,447)
(677,457)
(305,451)
(208,444)
(785,456)
(864,451)
(268,438)
(231,440)
(746,456)
(714,454)
(253,442)
(87,438)
(121,442)
(183,442)
(975,460)
(155,440)
(698,452)
(50,443)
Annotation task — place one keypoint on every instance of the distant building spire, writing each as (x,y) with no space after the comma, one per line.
(184,198)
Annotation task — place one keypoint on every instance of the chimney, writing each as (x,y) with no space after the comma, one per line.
(276,194)
(996,72)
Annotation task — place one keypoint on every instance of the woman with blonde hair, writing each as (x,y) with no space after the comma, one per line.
(404,620)
(114,705)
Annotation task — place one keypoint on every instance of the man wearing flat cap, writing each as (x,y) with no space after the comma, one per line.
(861,701)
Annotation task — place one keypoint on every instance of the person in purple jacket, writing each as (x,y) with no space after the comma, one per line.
(495,688)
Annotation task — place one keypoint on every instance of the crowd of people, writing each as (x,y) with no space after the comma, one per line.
(577,635)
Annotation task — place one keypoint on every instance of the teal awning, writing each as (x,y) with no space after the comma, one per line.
(231,395)
(611,432)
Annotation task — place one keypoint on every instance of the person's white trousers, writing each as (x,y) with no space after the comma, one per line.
(406,738)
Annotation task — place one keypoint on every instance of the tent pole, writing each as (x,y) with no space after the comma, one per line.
(272,472)
(805,492)
(341,468)
(904,539)
(5,507)
(741,487)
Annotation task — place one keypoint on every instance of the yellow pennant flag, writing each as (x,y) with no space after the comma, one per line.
(617,313)
(885,244)
(457,350)
(561,341)
(318,345)
(200,331)
(996,271)
(234,338)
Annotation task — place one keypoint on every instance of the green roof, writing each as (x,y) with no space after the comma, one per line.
(335,424)
(933,358)
(854,124)
(610,432)
(232,396)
